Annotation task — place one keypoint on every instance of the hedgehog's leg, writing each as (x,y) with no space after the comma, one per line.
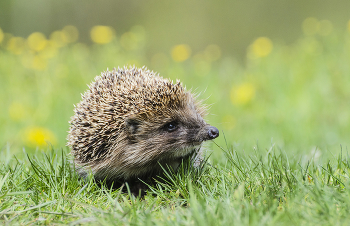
(138,188)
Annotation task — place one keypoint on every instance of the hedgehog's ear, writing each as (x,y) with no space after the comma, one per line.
(132,124)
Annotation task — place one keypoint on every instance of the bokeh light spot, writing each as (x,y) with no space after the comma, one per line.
(70,34)
(181,52)
(310,26)
(50,50)
(37,41)
(261,47)
(16,45)
(242,94)
(38,136)
(102,34)
(58,38)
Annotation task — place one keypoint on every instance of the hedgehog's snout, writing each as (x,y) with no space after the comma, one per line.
(207,132)
(213,132)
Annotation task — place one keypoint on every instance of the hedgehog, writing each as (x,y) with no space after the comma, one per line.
(132,124)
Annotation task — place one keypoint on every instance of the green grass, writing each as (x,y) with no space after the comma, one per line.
(281,158)
(264,188)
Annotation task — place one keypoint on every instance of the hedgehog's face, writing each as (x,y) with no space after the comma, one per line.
(174,134)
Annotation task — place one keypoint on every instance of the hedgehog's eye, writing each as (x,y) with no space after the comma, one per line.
(132,125)
(171,126)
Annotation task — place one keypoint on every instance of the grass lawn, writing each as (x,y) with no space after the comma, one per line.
(265,188)
(281,158)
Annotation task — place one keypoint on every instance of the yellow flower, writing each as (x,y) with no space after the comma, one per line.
(70,34)
(37,41)
(38,136)
(261,47)
(16,45)
(310,26)
(50,50)
(181,52)
(102,34)
(1,35)
(58,38)
(242,94)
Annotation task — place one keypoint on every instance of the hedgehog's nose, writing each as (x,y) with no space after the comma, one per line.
(213,132)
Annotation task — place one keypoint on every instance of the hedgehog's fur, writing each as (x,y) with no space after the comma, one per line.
(120,130)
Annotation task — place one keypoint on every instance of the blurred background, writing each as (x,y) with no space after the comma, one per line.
(275,72)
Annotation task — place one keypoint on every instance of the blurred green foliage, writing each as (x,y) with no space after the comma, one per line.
(295,95)
(233,24)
